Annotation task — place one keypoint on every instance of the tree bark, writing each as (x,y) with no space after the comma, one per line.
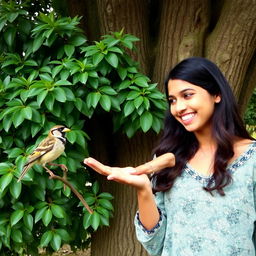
(231,44)
(182,29)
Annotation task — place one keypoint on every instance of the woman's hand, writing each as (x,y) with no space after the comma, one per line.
(122,175)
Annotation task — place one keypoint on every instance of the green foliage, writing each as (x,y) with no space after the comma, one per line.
(250,115)
(50,74)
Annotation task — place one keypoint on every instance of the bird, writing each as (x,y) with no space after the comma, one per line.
(48,150)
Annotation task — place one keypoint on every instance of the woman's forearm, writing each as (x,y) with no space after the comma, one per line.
(148,212)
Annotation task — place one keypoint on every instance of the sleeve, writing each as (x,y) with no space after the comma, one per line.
(254,195)
(153,240)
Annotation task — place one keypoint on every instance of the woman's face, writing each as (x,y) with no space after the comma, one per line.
(191,105)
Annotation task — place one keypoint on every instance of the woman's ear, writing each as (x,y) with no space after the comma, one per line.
(217,99)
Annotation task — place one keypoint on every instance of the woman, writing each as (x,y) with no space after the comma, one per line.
(204,196)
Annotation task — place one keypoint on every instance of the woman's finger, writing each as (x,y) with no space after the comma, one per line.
(97,166)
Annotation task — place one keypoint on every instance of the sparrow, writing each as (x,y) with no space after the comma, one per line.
(48,150)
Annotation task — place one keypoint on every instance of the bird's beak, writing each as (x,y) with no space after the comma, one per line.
(66,130)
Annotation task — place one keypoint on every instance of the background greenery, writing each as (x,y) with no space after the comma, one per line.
(50,74)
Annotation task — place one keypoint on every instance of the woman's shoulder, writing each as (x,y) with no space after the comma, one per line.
(241,146)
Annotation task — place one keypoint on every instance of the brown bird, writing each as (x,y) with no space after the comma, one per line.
(48,150)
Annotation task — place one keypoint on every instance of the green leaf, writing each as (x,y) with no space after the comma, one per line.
(28,221)
(108,90)
(105,102)
(4,168)
(83,77)
(41,96)
(95,188)
(95,97)
(106,204)
(69,50)
(59,94)
(56,242)
(146,103)
(104,220)
(87,220)
(40,213)
(47,217)
(146,121)
(106,195)
(56,70)
(46,238)
(38,41)
(128,108)
(90,200)
(69,94)
(62,82)
(103,211)
(7,122)
(35,128)
(49,101)
(9,35)
(27,113)
(112,59)
(132,95)
(138,101)
(97,58)
(64,234)
(15,189)
(71,136)
(95,222)
(16,216)
(77,40)
(157,125)
(39,192)
(5,180)
(17,118)
(141,81)
(122,72)
(16,235)
(57,211)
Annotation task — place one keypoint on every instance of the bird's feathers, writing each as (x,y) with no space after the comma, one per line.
(48,149)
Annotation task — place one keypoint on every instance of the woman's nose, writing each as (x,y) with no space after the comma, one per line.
(180,106)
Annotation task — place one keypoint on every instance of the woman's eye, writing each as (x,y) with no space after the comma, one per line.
(171,101)
(188,95)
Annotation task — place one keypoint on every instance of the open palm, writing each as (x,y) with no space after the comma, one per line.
(123,175)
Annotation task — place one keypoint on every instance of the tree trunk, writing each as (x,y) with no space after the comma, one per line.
(223,31)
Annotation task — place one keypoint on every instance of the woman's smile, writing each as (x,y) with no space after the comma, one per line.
(187,118)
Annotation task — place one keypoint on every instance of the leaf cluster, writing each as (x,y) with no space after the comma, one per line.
(50,74)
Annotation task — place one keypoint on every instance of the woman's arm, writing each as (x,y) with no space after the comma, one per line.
(129,176)
(146,202)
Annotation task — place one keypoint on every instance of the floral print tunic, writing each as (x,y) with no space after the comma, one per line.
(195,223)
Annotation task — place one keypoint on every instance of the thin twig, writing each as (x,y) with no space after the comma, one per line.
(56,177)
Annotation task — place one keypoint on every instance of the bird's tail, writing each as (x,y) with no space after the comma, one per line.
(25,170)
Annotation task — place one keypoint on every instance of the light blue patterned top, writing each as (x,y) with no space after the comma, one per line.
(195,223)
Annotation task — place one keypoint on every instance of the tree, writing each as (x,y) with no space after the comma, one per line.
(50,74)
(223,31)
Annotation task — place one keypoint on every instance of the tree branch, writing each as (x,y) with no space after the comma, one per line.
(56,177)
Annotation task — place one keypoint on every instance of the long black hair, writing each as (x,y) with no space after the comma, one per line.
(226,123)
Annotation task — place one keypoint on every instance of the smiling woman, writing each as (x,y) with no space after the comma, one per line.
(203,200)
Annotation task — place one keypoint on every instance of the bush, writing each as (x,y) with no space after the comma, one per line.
(51,75)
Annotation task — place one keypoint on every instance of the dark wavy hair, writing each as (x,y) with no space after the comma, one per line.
(226,123)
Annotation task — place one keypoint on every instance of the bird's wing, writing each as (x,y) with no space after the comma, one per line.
(44,147)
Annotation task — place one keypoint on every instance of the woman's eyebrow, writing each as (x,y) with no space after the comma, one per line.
(181,92)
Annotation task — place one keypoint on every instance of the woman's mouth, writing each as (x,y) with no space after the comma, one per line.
(187,118)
